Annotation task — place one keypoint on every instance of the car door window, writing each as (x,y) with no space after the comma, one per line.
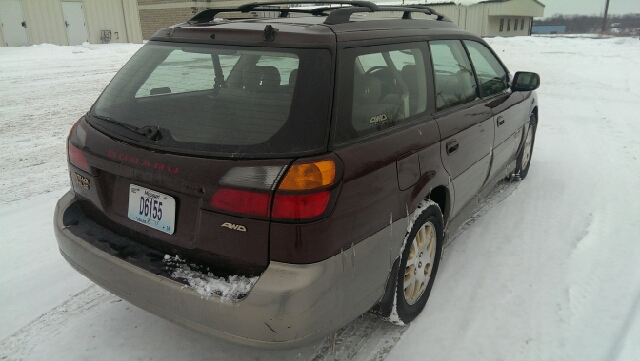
(389,86)
(491,75)
(454,80)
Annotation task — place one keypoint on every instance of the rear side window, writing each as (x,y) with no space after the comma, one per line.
(229,101)
(454,79)
(491,75)
(385,87)
(180,72)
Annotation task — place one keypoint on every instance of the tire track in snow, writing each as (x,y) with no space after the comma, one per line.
(19,345)
(35,120)
(367,338)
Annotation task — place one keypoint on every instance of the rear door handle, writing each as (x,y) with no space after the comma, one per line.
(500,120)
(452,146)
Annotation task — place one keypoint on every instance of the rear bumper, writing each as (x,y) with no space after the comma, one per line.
(289,306)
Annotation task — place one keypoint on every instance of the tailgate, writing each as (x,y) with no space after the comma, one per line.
(165,200)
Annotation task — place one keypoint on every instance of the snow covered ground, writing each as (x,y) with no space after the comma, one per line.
(547,269)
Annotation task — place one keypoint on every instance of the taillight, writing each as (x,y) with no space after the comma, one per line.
(76,157)
(303,194)
(308,176)
(289,206)
(242,202)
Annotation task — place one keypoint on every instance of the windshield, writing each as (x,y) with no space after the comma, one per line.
(229,101)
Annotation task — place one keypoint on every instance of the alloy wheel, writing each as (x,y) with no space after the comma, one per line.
(420,263)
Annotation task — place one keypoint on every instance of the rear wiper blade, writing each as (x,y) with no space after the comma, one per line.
(113,121)
(150,132)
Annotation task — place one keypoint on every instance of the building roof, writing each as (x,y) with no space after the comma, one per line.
(500,1)
(440,2)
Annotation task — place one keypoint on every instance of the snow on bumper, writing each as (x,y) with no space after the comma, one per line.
(289,306)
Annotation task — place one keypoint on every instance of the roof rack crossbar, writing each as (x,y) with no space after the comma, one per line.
(206,16)
(343,15)
(335,15)
(358,3)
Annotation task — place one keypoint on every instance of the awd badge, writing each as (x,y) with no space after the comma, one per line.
(235,227)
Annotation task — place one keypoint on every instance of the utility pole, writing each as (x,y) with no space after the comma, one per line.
(604,20)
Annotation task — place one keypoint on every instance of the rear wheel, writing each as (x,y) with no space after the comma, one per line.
(419,263)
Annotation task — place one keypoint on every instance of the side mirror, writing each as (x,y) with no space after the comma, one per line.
(524,81)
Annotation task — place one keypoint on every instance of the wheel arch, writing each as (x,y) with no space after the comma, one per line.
(441,195)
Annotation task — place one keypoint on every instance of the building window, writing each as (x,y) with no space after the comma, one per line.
(501,24)
(508,24)
(515,24)
(522,25)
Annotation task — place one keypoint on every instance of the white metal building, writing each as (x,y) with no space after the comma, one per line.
(495,17)
(486,18)
(157,14)
(69,22)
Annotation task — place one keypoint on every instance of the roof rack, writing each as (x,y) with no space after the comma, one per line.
(335,15)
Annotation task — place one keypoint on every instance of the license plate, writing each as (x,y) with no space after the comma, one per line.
(152,208)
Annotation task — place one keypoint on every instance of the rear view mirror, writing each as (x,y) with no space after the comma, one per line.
(158,91)
(525,81)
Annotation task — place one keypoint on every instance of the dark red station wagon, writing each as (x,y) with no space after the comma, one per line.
(267,180)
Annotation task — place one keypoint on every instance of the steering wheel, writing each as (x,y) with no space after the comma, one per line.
(387,81)
(374,68)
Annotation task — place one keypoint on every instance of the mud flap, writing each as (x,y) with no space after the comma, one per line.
(383,308)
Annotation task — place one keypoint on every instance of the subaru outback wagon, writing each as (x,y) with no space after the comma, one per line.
(267,180)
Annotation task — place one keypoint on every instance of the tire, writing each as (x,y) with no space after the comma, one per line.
(523,162)
(420,258)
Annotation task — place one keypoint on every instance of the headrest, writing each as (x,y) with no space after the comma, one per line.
(261,77)
(366,89)
(269,76)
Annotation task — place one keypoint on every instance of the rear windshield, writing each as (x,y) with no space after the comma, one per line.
(227,101)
